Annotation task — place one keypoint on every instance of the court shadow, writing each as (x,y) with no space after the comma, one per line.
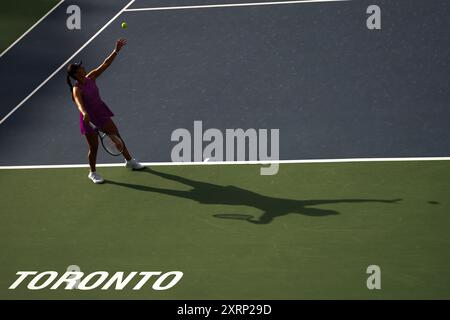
(271,207)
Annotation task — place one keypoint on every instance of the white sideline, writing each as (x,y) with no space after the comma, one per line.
(64,63)
(32,27)
(231,5)
(65,166)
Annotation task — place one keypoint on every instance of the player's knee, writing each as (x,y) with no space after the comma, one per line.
(93,150)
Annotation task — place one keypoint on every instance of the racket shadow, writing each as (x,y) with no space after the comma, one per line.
(270,207)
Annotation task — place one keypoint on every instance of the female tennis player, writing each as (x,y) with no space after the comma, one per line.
(92,109)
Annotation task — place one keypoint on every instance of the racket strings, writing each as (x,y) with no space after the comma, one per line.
(113,144)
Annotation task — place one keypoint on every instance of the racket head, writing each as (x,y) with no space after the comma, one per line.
(112,144)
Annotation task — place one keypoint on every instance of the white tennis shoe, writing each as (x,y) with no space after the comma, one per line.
(95,177)
(134,165)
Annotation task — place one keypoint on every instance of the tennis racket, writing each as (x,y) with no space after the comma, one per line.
(112,143)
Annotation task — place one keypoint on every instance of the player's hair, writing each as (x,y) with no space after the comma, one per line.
(71,70)
(69,82)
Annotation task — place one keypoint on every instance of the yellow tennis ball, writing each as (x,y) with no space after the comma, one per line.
(124,25)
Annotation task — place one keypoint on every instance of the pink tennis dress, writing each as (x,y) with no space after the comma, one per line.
(98,111)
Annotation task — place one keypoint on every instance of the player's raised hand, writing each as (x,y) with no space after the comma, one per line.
(120,43)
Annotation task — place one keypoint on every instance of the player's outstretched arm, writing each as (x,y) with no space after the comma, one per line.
(94,74)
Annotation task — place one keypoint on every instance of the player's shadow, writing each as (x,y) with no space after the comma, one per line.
(271,207)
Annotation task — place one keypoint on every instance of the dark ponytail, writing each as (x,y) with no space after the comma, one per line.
(69,82)
(71,71)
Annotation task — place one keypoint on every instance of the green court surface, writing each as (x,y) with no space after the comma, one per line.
(18,16)
(324,224)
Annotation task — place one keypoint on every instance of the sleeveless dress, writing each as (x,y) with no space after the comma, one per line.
(98,111)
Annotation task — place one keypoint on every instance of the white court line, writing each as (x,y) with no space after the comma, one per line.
(232,5)
(65,63)
(260,162)
(32,27)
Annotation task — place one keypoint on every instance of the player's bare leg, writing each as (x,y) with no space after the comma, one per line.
(111,128)
(92,140)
